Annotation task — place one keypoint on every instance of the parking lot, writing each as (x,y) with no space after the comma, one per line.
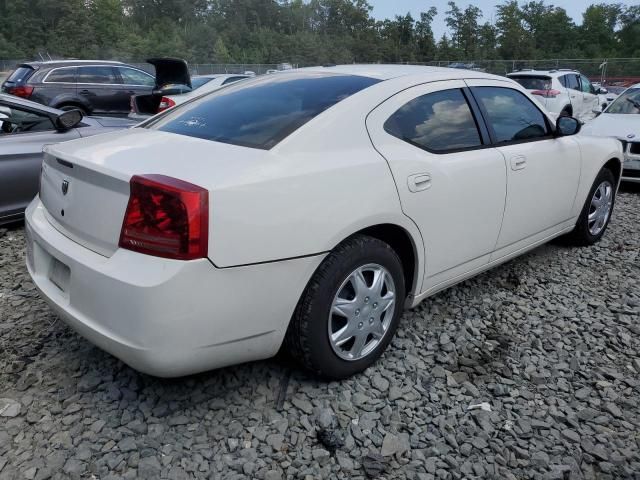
(531,370)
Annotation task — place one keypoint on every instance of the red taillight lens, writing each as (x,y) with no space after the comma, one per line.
(546,93)
(166,217)
(165,103)
(21,91)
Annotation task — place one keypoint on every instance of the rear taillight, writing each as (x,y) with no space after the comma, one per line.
(166,217)
(165,103)
(23,91)
(546,93)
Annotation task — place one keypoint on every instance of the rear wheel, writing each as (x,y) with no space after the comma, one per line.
(566,112)
(350,310)
(68,107)
(596,213)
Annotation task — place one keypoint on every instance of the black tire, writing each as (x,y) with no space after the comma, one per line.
(581,235)
(566,112)
(307,338)
(68,107)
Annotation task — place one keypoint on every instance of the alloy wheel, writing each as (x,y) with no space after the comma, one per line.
(600,208)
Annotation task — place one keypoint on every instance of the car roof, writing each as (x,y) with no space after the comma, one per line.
(387,72)
(21,102)
(72,63)
(558,71)
(220,75)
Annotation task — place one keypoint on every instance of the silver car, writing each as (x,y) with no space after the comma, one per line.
(25,128)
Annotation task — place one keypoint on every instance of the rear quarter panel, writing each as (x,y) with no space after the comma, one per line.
(595,152)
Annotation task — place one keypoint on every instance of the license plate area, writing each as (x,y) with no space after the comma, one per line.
(59,274)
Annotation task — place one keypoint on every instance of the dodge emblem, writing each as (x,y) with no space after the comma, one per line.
(65,187)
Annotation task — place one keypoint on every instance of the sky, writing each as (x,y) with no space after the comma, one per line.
(389,8)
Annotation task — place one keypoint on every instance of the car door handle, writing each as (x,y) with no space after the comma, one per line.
(518,162)
(85,92)
(419,182)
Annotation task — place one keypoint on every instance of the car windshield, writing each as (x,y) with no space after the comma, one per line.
(533,83)
(260,113)
(628,102)
(197,82)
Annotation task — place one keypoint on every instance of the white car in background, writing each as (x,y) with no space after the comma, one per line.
(306,210)
(201,84)
(622,120)
(562,92)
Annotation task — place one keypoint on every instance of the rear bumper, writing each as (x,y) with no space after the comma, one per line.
(164,317)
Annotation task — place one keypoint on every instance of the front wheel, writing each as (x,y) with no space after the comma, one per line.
(350,310)
(596,213)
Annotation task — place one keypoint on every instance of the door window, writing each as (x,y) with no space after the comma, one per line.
(511,115)
(586,85)
(15,120)
(439,122)
(571,81)
(97,75)
(131,76)
(62,75)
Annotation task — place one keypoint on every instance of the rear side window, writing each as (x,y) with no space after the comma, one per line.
(20,74)
(62,75)
(439,122)
(131,76)
(571,81)
(97,74)
(533,83)
(511,115)
(261,113)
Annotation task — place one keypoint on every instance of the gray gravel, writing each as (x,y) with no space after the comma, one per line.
(531,370)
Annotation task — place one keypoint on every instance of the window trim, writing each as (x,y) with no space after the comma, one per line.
(114,69)
(492,133)
(122,82)
(481,129)
(44,80)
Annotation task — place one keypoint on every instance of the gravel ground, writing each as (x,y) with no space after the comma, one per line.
(531,370)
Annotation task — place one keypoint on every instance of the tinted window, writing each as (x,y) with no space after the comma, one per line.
(131,76)
(232,80)
(15,120)
(437,121)
(62,75)
(20,74)
(96,75)
(571,81)
(533,83)
(586,85)
(260,113)
(511,114)
(197,82)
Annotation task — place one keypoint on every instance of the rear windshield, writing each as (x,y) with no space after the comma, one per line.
(533,83)
(261,113)
(20,74)
(197,82)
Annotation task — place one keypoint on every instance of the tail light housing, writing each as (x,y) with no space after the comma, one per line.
(551,93)
(165,104)
(166,217)
(23,91)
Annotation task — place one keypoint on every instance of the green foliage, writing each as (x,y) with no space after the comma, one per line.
(308,31)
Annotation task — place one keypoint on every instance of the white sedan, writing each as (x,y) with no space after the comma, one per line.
(621,120)
(306,210)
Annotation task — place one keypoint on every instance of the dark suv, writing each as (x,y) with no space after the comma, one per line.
(96,87)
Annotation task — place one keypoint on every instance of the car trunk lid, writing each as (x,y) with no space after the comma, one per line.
(85,184)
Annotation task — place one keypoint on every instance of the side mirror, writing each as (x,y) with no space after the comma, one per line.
(67,120)
(566,126)
(603,91)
